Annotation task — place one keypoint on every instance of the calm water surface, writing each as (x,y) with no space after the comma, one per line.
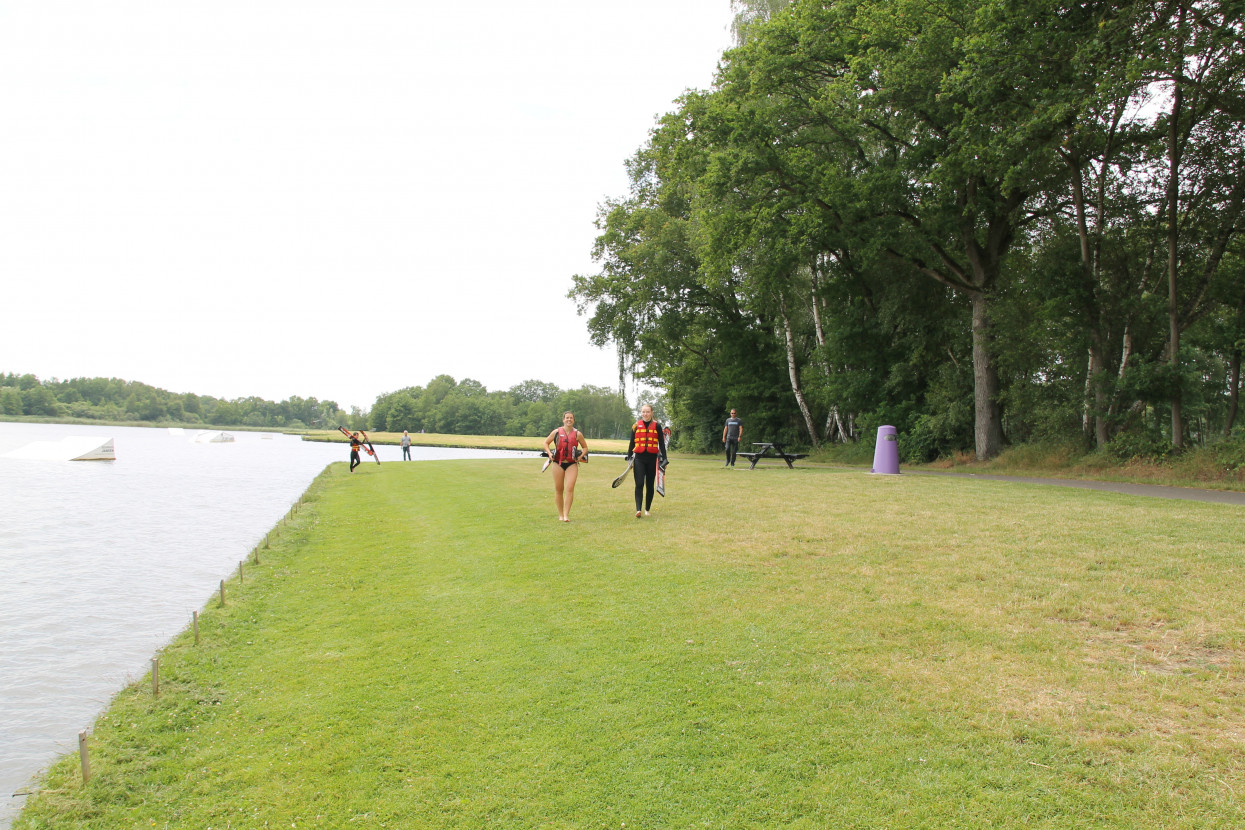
(102,563)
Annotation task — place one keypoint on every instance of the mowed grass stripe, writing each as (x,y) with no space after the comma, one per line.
(427,646)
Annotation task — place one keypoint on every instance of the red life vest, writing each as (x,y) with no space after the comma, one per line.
(646,437)
(564,445)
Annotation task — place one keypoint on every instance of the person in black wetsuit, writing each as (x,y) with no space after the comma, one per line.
(355,446)
(648,448)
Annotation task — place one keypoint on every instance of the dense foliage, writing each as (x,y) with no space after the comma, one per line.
(111,399)
(530,408)
(980,221)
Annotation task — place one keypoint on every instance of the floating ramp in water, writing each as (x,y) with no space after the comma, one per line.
(213,438)
(71,448)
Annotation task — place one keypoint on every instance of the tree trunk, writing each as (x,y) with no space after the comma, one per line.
(1234,390)
(1173,237)
(1089,382)
(835,431)
(1126,350)
(1234,368)
(1097,365)
(794,372)
(988,421)
(1095,411)
(815,279)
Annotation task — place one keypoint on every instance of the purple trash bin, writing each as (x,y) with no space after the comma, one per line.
(886,454)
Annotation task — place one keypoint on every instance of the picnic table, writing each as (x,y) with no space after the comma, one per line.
(770,449)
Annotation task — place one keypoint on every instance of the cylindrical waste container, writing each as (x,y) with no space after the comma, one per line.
(886,453)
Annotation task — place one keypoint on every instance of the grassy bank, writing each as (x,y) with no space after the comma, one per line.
(478,442)
(1220,466)
(427,646)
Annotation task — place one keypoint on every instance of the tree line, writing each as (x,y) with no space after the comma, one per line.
(981,221)
(445,405)
(531,408)
(112,399)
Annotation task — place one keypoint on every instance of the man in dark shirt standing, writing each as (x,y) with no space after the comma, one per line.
(731,435)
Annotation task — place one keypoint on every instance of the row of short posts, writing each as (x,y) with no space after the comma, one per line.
(84,752)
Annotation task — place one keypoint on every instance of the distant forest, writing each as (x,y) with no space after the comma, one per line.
(112,399)
(444,405)
(530,408)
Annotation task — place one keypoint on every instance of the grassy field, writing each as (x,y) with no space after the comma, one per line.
(1211,467)
(425,645)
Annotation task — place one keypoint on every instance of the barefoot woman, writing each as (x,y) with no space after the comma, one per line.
(566,456)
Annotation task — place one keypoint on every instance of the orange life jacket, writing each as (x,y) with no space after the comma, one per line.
(564,445)
(646,437)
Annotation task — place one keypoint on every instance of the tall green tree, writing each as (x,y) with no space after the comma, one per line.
(1194,51)
(891,115)
(673,326)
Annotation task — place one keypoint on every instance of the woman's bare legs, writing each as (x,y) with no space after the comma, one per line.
(572,475)
(564,489)
(559,482)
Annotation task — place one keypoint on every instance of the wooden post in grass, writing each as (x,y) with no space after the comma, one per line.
(222,592)
(196,621)
(155,676)
(241,578)
(85,755)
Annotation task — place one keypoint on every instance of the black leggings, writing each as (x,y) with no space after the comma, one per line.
(645,478)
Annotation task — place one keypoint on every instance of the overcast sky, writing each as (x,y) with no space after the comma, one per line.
(299,197)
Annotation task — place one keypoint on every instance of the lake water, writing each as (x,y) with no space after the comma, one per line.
(102,563)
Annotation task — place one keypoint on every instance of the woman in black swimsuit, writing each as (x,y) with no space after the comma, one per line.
(567,456)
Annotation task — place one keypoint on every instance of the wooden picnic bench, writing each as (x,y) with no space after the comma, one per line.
(769,449)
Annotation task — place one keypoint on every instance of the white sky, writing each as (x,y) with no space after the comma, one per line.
(299,197)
